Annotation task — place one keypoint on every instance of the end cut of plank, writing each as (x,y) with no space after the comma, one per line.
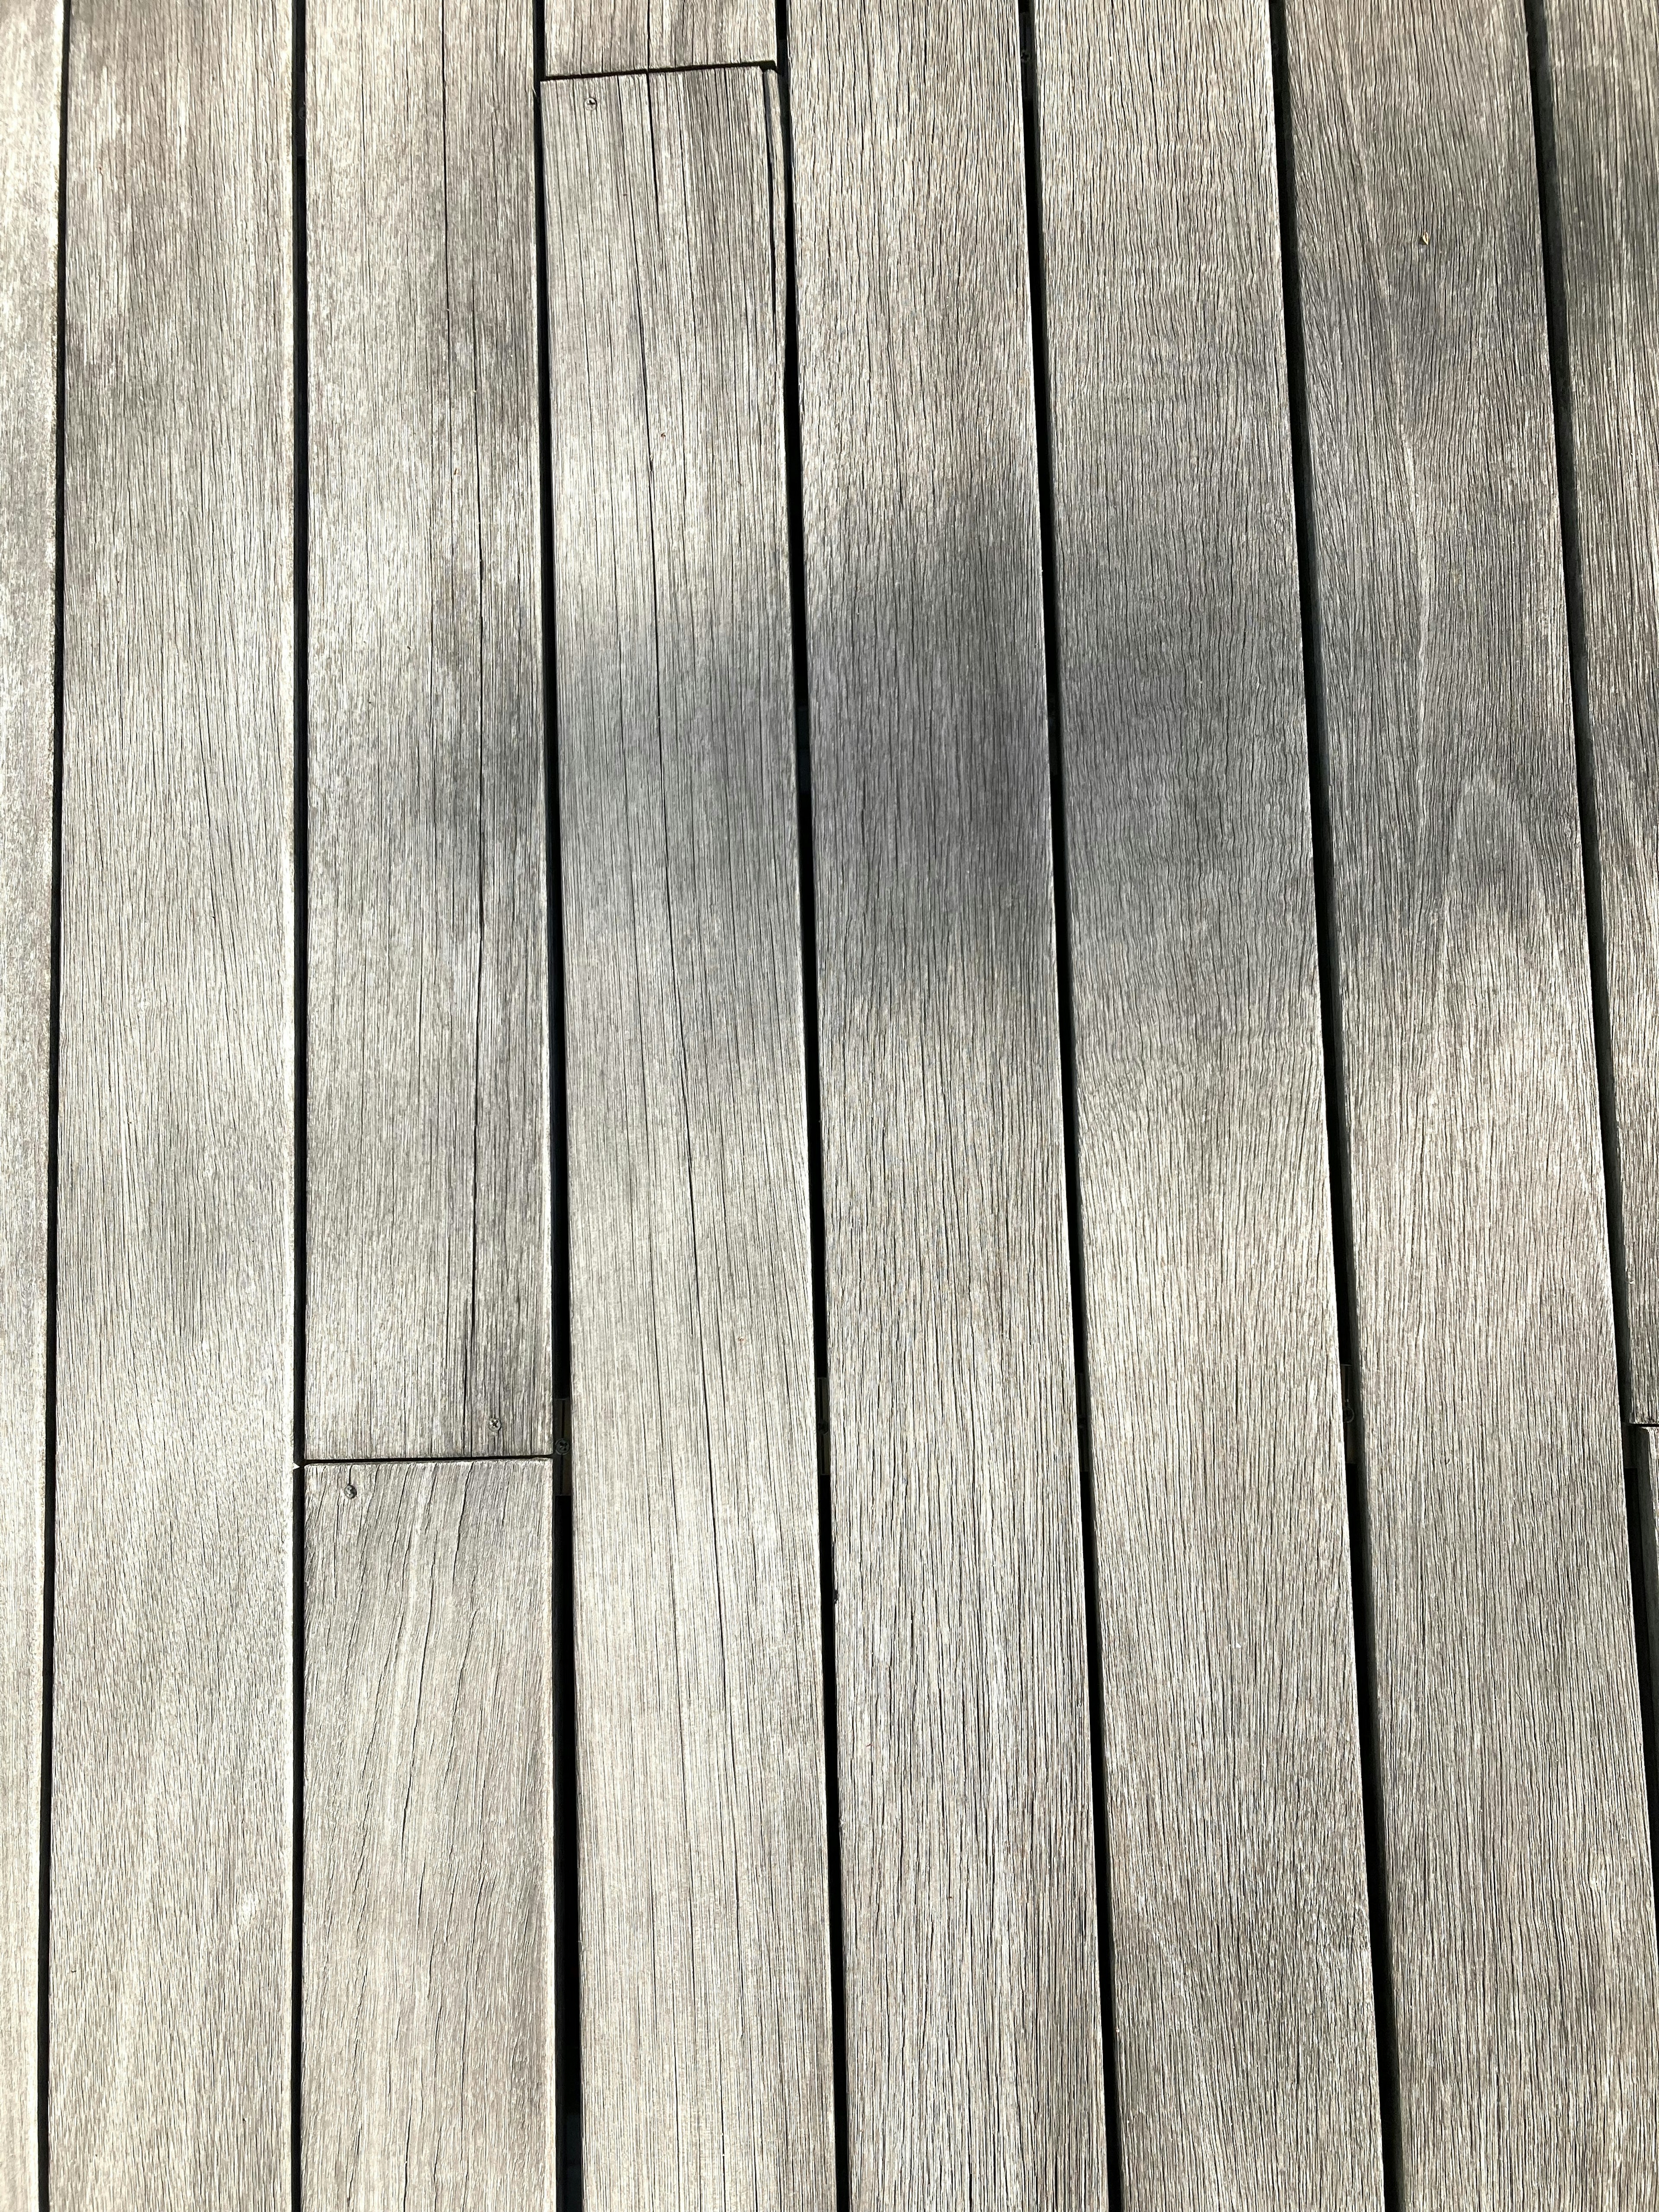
(428,2028)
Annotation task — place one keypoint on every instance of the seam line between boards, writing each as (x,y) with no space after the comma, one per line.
(1065,1044)
(662,68)
(1340,1194)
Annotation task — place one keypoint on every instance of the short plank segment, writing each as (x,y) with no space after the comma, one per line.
(974,2045)
(172,1876)
(426,2034)
(593,37)
(1604,78)
(427,1152)
(707,2071)
(1246,2030)
(31,73)
(1519,1888)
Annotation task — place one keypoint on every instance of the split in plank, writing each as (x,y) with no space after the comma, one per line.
(427,1299)
(172,1876)
(1519,1885)
(426,2034)
(1603,82)
(31,79)
(706,2052)
(974,2045)
(589,38)
(1246,2031)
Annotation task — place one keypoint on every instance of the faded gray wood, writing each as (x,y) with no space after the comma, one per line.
(1519,1882)
(31,72)
(590,37)
(428,2029)
(1641,1467)
(706,2041)
(428,1148)
(974,2046)
(172,1873)
(1604,75)
(1246,2031)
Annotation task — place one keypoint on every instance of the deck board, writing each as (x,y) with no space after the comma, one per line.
(31,71)
(428,2020)
(1603,75)
(1246,2033)
(1519,1885)
(172,1876)
(706,2052)
(597,37)
(973,1999)
(428,1326)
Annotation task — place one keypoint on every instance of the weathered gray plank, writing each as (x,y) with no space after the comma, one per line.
(1604,75)
(1520,1891)
(31,72)
(428,1152)
(171,1788)
(706,2052)
(427,2030)
(1246,2033)
(1641,1464)
(974,2055)
(588,37)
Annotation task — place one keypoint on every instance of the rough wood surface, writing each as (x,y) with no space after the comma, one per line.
(427,2033)
(172,1876)
(31,71)
(974,2047)
(1246,2033)
(706,2050)
(1519,1882)
(1604,78)
(428,1150)
(587,37)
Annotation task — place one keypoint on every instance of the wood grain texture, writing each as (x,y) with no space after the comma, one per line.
(427,1146)
(1246,2032)
(428,2026)
(974,2048)
(31,79)
(172,1876)
(1641,1469)
(706,2039)
(1520,1886)
(591,37)
(1604,77)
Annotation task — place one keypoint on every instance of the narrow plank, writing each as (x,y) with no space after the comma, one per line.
(974,2046)
(706,2072)
(427,2029)
(1604,77)
(427,1149)
(1641,1465)
(172,1875)
(1246,2030)
(595,37)
(1519,1888)
(30,75)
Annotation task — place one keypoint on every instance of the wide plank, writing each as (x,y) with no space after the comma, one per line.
(705,1967)
(427,1300)
(31,81)
(974,2069)
(171,1877)
(1246,2033)
(427,2031)
(1520,1891)
(1603,81)
(596,37)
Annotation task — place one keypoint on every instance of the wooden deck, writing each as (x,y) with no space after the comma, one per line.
(828,1105)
